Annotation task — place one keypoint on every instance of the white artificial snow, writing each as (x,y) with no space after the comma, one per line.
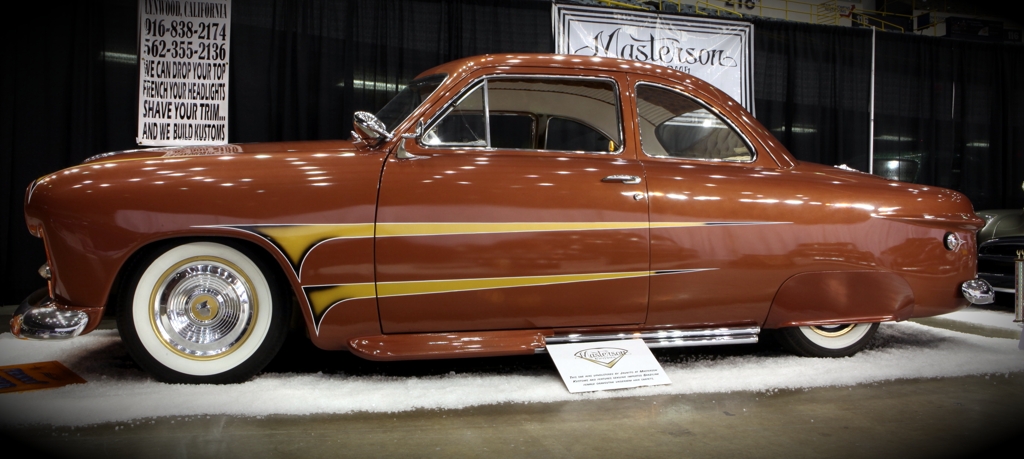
(989,318)
(118,391)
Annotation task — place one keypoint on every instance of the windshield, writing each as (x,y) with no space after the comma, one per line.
(406,101)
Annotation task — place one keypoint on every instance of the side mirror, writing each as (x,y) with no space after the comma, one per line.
(369,129)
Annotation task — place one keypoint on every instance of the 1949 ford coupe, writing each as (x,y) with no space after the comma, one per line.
(497,205)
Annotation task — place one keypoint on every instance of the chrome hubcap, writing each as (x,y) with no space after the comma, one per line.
(203,308)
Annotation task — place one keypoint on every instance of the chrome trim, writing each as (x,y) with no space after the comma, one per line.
(668,338)
(415,134)
(487,115)
(123,152)
(106,155)
(978,291)
(680,271)
(402,153)
(705,341)
(711,109)
(1004,290)
(466,90)
(626,179)
(40,318)
(44,271)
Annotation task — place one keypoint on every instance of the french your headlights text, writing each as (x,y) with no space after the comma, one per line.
(183,71)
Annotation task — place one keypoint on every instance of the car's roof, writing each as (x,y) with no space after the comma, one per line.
(458,68)
(581,65)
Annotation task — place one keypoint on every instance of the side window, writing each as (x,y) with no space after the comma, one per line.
(463,125)
(673,124)
(566,134)
(513,130)
(533,113)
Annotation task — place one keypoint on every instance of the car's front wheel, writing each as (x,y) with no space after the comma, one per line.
(203,312)
(842,340)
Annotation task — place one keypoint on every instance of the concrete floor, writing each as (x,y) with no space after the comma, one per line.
(950,417)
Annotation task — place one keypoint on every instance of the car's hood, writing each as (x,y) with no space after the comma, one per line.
(229,149)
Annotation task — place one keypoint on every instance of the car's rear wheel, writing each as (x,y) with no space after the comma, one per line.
(203,312)
(841,340)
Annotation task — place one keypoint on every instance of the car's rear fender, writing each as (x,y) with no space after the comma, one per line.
(834,297)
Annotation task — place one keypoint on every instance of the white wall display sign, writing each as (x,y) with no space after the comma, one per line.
(183,72)
(715,50)
(603,365)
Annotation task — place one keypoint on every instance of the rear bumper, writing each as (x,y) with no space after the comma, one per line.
(39,317)
(978,291)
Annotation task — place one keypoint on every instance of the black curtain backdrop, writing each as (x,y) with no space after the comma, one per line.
(914,84)
(950,110)
(813,89)
(300,68)
(956,107)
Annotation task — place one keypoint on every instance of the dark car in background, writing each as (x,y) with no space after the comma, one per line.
(998,243)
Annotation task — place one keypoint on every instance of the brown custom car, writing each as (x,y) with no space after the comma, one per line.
(497,205)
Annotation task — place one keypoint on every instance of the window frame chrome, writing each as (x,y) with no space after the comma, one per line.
(714,111)
(443,111)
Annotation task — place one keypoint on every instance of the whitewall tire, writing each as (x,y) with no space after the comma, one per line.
(841,340)
(202,312)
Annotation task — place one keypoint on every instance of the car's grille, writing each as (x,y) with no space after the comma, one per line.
(996,260)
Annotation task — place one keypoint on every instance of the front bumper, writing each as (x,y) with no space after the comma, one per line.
(41,318)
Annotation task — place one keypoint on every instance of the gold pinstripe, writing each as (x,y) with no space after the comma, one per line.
(321,299)
(387,289)
(296,240)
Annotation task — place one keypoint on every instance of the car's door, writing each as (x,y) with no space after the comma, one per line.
(518,207)
(717,240)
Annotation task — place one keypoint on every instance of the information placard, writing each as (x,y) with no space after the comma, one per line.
(184,47)
(603,365)
(715,50)
(34,376)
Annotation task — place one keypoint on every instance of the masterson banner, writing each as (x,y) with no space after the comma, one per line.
(183,72)
(714,50)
